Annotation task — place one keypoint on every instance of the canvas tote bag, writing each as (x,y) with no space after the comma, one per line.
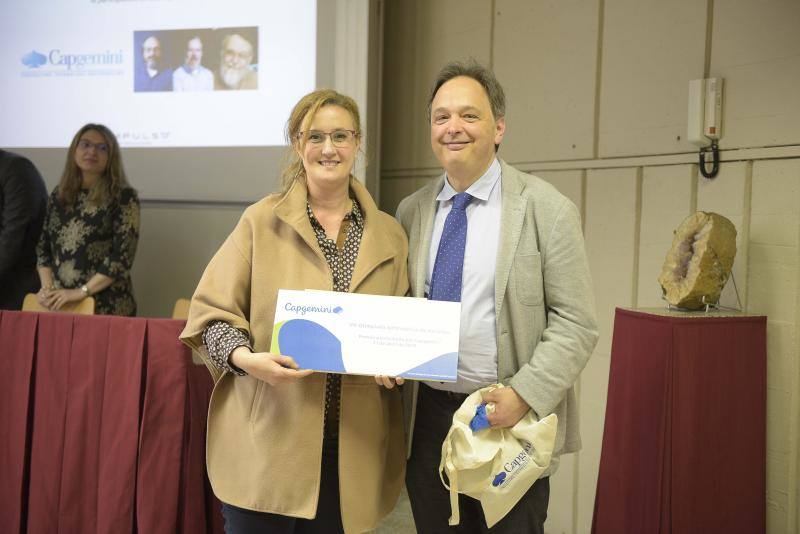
(496,465)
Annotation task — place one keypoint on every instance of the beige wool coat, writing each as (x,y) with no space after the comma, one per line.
(264,444)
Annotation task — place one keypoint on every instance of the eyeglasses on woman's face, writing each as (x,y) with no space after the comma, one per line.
(339,138)
(85,144)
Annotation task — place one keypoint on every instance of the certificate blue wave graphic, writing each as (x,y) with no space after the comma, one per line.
(311,345)
(442,367)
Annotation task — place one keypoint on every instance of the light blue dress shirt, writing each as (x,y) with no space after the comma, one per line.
(199,79)
(477,347)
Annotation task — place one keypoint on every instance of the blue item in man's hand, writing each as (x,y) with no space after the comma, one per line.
(480,421)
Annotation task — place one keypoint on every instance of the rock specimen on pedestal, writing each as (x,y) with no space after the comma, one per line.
(699,262)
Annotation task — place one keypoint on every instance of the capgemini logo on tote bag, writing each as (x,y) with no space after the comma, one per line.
(509,468)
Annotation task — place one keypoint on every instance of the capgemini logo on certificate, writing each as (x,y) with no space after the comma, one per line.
(302,310)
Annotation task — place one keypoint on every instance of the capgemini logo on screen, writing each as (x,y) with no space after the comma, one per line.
(34,59)
(65,63)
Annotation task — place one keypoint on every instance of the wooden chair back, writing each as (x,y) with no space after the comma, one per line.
(84,307)
(181,309)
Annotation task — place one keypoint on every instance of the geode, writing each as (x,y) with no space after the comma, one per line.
(699,262)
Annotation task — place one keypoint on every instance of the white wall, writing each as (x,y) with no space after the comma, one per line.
(597,97)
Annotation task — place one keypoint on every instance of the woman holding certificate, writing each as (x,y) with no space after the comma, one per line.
(289,450)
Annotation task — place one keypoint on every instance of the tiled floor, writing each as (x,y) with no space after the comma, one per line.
(400,520)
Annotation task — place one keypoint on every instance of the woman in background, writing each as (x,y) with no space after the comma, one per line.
(91,229)
(290,451)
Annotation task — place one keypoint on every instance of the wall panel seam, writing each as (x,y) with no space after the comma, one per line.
(493,7)
(709,37)
(648,160)
(792,521)
(746,209)
(637,230)
(576,477)
(598,77)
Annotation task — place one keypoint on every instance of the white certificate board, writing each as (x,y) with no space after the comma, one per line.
(360,334)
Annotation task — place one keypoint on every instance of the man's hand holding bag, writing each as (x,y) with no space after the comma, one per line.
(495,465)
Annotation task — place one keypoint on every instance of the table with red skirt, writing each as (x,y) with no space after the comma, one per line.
(684,442)
(102,427)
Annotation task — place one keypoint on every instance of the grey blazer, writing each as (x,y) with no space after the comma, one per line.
(544,300)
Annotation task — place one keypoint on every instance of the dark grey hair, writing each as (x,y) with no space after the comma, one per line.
(484,76)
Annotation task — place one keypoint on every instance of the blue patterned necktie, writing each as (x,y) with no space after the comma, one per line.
(449,266)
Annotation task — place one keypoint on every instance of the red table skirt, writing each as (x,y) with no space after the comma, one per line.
(102,427)
(684,441)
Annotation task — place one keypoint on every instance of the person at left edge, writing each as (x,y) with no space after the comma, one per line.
(91,229)
(23,200)
(291,451)
(150,73)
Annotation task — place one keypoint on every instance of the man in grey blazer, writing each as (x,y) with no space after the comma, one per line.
(527,317)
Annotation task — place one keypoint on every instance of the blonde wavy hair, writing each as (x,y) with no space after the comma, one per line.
(303,113)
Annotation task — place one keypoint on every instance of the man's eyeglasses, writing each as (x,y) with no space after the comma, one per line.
(85,144)
(339,138)
(232,54)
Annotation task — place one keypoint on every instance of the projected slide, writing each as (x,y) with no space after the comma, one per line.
(230,52)
(159,73)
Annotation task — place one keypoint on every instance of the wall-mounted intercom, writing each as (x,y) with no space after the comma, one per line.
(705,119)
(705,111)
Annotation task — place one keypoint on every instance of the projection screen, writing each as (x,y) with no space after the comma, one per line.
(197,92)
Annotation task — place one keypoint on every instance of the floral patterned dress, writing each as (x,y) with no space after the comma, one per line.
(85,239)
